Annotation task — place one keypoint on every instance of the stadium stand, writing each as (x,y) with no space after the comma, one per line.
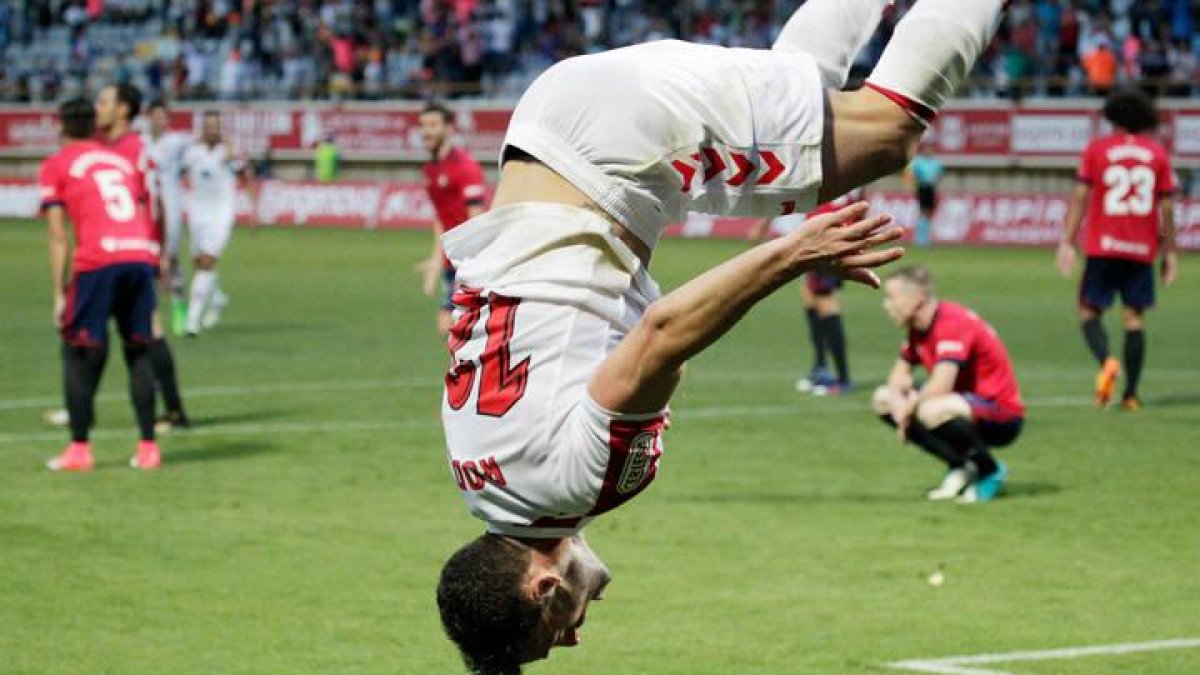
(372,49)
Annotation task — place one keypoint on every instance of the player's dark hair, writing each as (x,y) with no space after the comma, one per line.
(484,608)
(1131,109)
(130,96)
(917,275)
(438,108)
(156,104)
(78,117)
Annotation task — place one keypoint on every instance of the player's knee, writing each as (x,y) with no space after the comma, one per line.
(936,412)
(881,401)
(484,608)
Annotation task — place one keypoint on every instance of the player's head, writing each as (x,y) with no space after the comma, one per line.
(78,119)
(906,292)
(160,117)
(1131,109)
(437,124)
(210,126)
(506,602)
(117,104)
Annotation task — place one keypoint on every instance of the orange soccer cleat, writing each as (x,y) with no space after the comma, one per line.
(77,457)
(1106,381)
(147,456)
(1131,404)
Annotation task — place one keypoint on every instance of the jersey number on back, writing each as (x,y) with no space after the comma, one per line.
(118,203)
(1130,190)
(501,384)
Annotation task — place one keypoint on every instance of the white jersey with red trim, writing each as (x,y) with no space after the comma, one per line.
(652,131)
(538,309)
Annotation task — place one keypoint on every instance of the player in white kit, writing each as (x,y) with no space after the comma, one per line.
(166,149)
(212,168)
(565,356)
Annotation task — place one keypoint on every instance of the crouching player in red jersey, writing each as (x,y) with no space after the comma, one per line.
(113,272)
(1125,191)
(970,402)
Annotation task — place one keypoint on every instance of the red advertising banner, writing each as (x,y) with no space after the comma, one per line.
(964,133)
(971,219)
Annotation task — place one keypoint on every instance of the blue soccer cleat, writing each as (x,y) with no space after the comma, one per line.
(985,489)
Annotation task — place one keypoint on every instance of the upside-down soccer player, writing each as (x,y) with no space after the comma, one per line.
(565,357)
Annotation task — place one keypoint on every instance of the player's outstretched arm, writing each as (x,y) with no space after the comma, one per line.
(641,373)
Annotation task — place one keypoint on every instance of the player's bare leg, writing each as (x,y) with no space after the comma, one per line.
(874,131)
(950,419)
(958,474)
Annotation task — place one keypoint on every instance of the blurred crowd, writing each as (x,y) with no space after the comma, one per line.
(372,49)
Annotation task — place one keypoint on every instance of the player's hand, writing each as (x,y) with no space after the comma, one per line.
(846,243)
(903,407)
(428,269)
(1170,268)
(1065,259)
(60,308)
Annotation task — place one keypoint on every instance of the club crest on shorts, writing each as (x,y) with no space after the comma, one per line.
(643,453)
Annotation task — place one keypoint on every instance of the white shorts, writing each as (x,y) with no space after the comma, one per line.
(652,131)
(210,230)
(537,310)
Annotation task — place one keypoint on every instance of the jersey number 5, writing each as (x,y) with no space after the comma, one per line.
(118,203)
(501,384)
(1130,190)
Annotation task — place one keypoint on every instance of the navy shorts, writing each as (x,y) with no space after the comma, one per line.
(822,284)
(997,426)
(1103,278)
(448,275)
(125,292)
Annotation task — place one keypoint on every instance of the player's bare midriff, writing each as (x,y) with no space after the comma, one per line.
(524,179)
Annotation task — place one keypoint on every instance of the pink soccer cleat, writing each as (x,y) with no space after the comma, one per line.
(147,456)
(77,457)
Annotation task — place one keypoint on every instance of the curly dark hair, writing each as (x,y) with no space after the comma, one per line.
(1131,109)
(484,608)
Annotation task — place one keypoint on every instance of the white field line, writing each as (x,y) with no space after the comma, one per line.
(959,665)
(231,391)
(413,382)
(288,428)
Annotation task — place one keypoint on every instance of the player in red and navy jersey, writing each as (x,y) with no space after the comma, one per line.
(116,107)
(969,403)
(113,271)
(454,181)
(1125,194)
(823,311)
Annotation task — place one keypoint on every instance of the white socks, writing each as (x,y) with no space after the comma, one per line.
(204,282)
(934,48)
(832,32)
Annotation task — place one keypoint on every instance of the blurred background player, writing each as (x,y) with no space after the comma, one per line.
(166,148)
(823,312)
(455,183)
(113,271)
(1125,191)
(970,402)
(213,168)
(923,174)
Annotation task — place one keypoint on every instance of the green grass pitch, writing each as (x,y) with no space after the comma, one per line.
(300,527)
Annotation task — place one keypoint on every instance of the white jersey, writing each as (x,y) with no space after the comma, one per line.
(652,131)
(212,177)
(166,153)
(538,309)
